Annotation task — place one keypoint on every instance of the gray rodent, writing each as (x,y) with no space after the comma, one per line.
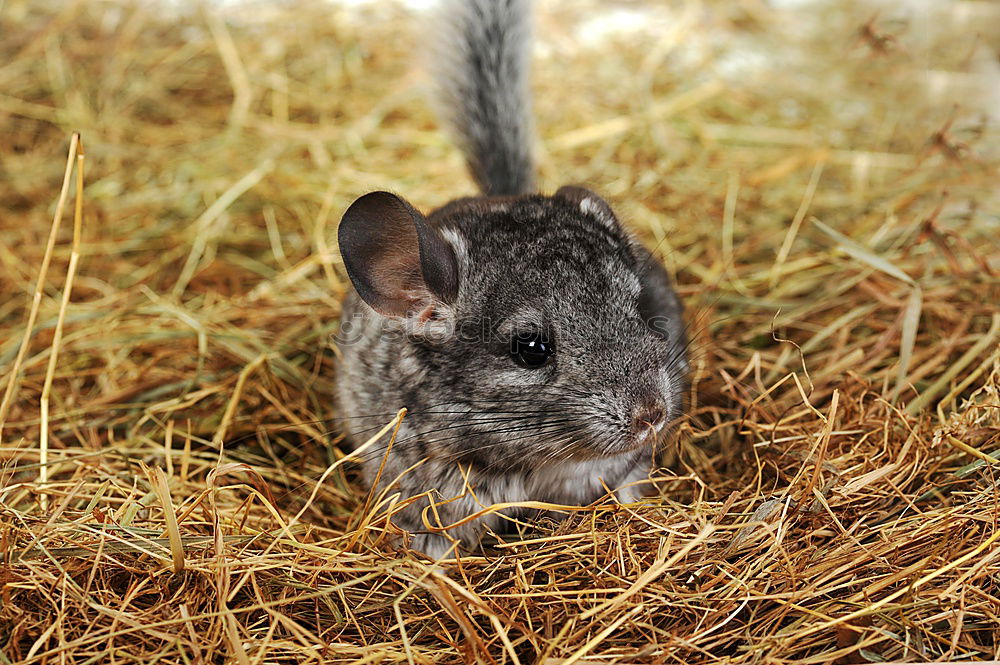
(538,348)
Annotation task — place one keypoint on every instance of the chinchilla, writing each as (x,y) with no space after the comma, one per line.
(538,349)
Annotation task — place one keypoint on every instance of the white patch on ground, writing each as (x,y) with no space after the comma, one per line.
(614,22)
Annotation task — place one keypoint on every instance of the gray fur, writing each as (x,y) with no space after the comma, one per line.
(481,63)
(480,429)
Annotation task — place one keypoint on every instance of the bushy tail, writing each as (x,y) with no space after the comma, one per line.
(481,63)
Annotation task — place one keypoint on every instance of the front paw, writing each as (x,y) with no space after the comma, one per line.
(632,493)
(433,545)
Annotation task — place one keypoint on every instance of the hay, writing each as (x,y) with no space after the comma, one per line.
(830,209)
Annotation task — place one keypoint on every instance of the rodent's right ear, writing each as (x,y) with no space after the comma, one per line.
(398,263)
(588,202)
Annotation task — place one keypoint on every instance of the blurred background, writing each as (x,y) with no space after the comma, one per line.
(819,176)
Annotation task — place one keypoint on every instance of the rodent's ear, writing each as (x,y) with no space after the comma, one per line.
(588,202)
(397,262)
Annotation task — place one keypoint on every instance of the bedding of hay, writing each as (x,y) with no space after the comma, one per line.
(822,179)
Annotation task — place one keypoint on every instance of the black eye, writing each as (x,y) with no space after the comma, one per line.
(531,350)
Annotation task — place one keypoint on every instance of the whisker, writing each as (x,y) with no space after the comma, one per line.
(428,438)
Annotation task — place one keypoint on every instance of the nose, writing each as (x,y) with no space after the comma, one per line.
(648,417)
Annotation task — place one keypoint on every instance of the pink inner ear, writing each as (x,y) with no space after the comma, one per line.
(428,313)
(397,278)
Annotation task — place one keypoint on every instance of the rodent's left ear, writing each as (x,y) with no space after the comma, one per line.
(588,202)
(399,264)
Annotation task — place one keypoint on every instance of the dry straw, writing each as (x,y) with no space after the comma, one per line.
(822,181)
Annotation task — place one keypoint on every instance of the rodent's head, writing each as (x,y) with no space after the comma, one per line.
(533,328)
